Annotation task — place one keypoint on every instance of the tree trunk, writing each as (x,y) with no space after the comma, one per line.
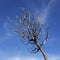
(43,53)
(41,50)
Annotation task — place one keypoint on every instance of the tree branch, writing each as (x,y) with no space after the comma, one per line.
(46,38)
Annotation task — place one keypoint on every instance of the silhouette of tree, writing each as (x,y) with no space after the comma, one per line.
(31,29)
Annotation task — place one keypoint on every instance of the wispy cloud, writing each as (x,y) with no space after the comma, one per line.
(6,56)
(51,57)
(22,58)
(6,35)
(54,57)
(45,12)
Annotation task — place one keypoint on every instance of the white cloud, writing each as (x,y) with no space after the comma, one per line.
(6,35)
(13,58)
(45,12)
(5,56)
(21,58)
(52,57)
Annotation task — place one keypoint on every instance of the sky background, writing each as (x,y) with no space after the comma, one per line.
(11,47)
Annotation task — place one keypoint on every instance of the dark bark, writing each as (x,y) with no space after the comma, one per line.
(43,53)
(28,28)
(41,50)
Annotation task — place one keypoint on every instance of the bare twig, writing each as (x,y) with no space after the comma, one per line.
(31,30)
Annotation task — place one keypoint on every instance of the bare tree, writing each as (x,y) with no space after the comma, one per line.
(31,29)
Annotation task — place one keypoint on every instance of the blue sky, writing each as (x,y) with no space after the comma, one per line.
(48,11)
